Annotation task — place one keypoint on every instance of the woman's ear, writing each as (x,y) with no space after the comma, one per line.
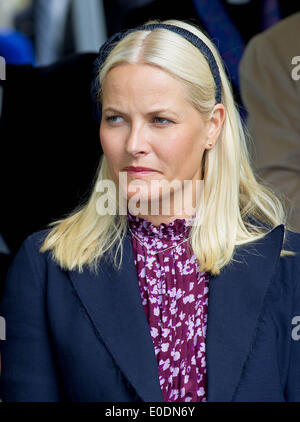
(214,125)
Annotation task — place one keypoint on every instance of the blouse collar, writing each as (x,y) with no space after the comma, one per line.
(177,227)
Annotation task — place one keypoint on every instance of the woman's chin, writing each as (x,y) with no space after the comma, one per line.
(149,206)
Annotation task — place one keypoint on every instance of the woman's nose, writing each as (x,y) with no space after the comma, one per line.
(136,141)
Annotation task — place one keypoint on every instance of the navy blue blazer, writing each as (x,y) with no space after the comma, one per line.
(74,336)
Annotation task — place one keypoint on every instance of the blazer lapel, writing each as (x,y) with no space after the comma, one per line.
(113,303)
(234,303)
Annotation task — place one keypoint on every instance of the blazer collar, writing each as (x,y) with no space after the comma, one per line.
(113,303)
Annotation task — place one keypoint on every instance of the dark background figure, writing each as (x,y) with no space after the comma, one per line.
(47,112)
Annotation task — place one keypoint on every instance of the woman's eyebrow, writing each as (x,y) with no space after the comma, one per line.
(113,109)
(150,113)
(163,110)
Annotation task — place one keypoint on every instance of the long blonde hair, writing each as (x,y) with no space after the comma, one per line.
(237,208)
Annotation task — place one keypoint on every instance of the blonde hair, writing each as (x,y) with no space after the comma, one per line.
(232,195)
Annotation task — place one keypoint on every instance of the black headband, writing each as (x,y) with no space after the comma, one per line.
(107,47)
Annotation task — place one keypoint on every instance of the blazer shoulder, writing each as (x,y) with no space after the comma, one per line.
(37,238)
(290,264)
(29,251)
(33,242)
(292,241)
(27,269)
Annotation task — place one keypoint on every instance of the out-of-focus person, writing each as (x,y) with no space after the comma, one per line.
(270,88)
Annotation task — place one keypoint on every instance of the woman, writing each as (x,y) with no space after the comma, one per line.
(120,302)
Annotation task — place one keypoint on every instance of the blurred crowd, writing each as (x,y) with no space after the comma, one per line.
(42,31)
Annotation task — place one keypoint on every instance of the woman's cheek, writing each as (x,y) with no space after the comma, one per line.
(107,145)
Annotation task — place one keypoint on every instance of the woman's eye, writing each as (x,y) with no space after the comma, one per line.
(113,119)
(162,121)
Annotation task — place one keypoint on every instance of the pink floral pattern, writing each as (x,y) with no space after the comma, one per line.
(174,294)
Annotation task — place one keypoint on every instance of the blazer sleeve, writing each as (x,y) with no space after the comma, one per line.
(292,387)
(28,371)
(293,382)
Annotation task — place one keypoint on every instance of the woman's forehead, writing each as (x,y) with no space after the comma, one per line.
(145,82)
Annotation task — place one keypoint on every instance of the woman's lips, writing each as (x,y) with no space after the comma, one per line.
(139,171)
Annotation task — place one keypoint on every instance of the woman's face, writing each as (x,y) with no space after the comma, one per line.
(147,122)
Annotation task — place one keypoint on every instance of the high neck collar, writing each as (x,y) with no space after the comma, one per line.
(179,226)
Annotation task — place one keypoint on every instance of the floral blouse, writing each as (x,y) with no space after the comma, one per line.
(174,295)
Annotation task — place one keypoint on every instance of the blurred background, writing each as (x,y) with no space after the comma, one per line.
(43,31)
(48,138)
